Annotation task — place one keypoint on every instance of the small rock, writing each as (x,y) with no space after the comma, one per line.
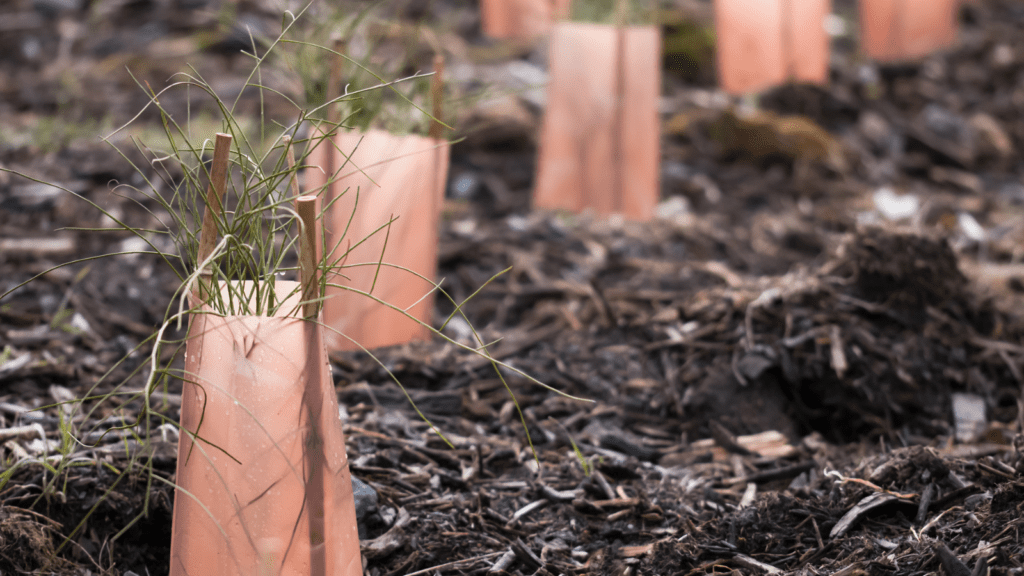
(876,130)
(945,124)
(969,416)
(464,186)
(459,330)
(754,363)
(673,208)
(366,498)
(465,227)
(895,207)
(868,74)
(367,515)
(1002,56)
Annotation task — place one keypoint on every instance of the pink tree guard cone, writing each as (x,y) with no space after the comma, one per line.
(764,43)
(400,176)
(599,146)
(896,30)
(520,19)
(265,489)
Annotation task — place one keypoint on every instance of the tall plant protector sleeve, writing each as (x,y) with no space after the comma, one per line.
(765,43)
(264,483)
(599,145)
(896,30)
(387,176)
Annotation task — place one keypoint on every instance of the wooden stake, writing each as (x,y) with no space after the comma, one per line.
(437,96)
(788,49)
(333,90)
(290,155)
(619,157)
(214,195)
(290,158)
(307,256)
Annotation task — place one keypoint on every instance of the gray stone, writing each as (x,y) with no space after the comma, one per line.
(366,498)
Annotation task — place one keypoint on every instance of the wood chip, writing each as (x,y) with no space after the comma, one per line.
(636,551)
(535,505)
(869,503)
(390,541)
(748,562)
(59,246)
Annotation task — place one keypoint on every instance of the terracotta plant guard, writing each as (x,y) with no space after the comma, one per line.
(896,30)
(599,145)
(764,43)
(263,481)
(520,19)
(386,176)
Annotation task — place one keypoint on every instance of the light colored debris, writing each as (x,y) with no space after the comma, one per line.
(969,417)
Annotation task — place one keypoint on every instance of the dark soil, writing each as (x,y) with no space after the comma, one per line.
(772,367)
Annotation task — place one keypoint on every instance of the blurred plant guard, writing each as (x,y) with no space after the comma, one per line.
(599,145)
(896,30)
(384,193)
(764,43)
(520,19)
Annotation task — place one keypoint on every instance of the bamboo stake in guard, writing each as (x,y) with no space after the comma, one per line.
(599,146)
(263,485)
(896,30)
(520,19)
(765,43)
(306,207)
(212,212)
(387,178)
